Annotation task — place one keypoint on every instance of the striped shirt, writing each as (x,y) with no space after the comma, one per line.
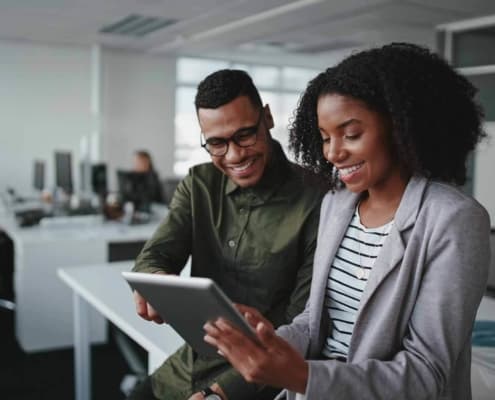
(347,279)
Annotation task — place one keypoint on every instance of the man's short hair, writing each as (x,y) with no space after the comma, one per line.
(223,86)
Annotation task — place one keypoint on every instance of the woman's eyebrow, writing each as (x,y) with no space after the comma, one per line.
(342,125)
(348,122)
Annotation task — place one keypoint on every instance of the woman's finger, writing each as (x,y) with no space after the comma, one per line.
(251,319)
(223,325)
(243,309)
(266,335)
(226,333)
(210,340)
(211,329)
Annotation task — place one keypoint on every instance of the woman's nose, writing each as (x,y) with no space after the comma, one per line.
(335,152)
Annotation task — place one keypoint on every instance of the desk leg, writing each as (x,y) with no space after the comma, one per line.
(82,349)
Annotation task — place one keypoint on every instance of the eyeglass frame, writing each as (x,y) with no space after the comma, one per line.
(232,137)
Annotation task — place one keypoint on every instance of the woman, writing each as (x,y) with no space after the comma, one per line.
(144,164)
(402,256)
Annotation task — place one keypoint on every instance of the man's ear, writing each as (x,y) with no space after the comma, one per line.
(267,115)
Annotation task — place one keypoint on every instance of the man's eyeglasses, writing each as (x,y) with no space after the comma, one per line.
(244,137)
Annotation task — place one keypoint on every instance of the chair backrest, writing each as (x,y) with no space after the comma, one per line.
(6,272)
(7,304)
(169,185)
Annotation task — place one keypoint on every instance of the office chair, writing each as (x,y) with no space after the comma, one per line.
(133,355)
(6,273)
(168,186)
(7,304)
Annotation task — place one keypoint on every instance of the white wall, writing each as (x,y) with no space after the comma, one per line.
(484,169)
(138,109)
(45,101)
(45,105)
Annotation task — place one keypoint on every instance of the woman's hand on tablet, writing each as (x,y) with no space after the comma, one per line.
(273,361)
(252,315)
(145,310)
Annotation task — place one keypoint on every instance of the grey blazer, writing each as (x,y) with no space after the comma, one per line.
(412,334)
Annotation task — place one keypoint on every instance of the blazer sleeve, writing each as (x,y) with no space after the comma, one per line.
(297,333)
(455,271)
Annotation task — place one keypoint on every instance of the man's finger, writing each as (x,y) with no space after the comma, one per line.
(153,315)
(141,306)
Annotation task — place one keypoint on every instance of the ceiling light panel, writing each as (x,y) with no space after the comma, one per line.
(136,25)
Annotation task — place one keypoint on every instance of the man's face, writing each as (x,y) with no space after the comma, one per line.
(243,165)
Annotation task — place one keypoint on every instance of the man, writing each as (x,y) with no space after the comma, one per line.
(248,219)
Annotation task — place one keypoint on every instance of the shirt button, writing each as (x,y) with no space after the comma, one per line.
(231,243)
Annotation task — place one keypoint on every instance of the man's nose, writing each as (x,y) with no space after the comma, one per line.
(234,152)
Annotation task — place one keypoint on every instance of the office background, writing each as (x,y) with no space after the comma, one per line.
(49,103)
(66,86)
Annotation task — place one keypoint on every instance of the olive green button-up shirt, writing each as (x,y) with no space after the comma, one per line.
(256,243)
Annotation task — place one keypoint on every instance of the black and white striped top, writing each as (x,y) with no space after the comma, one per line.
(347,279)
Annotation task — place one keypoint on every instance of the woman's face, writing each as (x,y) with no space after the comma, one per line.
(357,141)
(141,164)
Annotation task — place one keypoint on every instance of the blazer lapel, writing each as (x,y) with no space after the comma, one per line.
(393,249)
(334,221)
(390,256)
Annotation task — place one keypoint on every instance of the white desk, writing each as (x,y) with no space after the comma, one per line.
(103,288)
(43,316)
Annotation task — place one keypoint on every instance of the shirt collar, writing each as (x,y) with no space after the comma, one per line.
(274,175)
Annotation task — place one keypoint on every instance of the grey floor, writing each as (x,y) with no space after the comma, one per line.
(50,375)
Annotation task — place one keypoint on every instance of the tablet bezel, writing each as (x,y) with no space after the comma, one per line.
(195,301)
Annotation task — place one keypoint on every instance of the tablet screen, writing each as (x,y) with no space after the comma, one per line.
(187,303)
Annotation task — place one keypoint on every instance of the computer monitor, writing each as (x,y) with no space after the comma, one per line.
(135,187)
(39,175)
(63,171)
(99,179)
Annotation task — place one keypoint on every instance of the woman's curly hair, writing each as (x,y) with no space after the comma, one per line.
(435,120)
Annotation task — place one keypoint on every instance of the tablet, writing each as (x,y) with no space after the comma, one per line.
(187,303)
